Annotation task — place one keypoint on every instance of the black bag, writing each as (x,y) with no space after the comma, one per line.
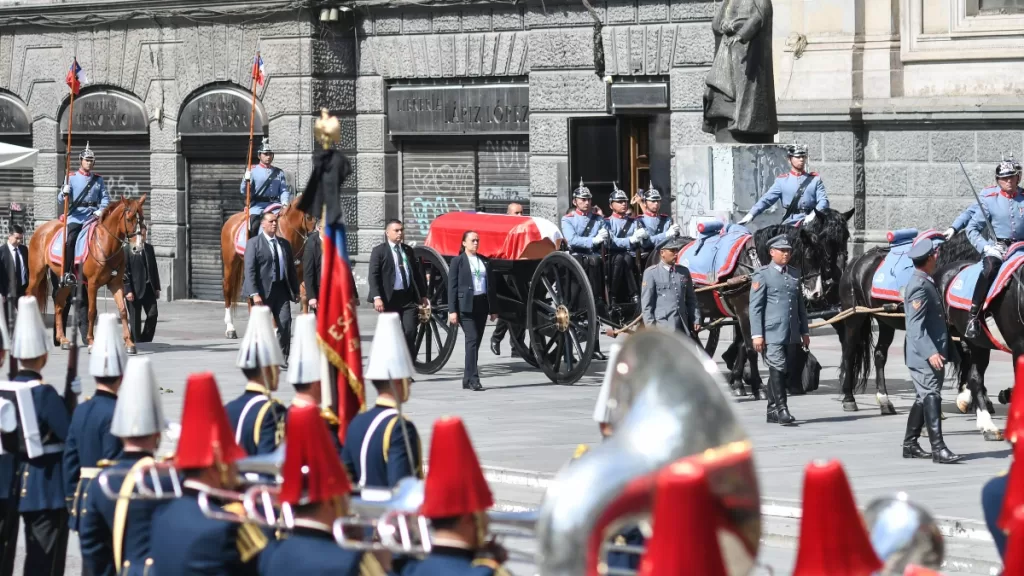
(810,374)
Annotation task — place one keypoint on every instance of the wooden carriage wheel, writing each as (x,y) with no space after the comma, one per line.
(435,338)
(561,318)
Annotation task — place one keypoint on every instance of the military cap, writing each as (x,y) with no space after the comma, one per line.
(582,192)
(1007,168)
(796,151)
(652,195)
(780,242)
(618,195)
(87,154)
(675,244)
(921,250)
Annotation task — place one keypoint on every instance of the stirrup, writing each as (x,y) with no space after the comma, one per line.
(68,279)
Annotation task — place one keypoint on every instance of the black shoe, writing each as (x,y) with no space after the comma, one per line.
(776,391)
(932,418)
(495,347)
(784,417)
(474,386)
(915,423)
(1004,395)
(772,417)
(973,323)
(598,355)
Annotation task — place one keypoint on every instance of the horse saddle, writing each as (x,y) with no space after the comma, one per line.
(715,252)
(961,289)
(893,273)
(56,250)
(240,233)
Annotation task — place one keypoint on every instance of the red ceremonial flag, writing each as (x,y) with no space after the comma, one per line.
(338,329)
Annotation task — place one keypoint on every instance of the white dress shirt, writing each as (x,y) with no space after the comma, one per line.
(479,273)
(16,254)
(399,260)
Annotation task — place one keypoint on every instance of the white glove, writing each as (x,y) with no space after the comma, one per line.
(76,386)
(746,219)
(673,231)
(642,234)
(65,190)
(810,217)
(597,240)
(949,233)
(247,176)
(995,250)
(98,213)
(638,236)
(602,235)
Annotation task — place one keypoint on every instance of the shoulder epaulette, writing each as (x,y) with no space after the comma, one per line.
(487,562)
(813,173)
(369,566)
(87,398)
(250,541)
(106,463)
(651,266)
(580,451)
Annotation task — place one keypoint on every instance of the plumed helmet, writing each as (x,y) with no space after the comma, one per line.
(617,194)
(87,154)
(582,192)
(652,195)
(1007,168)
(796,151)
(265,147)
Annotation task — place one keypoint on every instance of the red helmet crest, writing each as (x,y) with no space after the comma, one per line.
(455,484)
(205,431)
(312,471)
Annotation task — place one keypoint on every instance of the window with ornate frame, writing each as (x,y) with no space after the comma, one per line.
(982,29)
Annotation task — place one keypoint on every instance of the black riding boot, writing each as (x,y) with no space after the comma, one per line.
(990,267)
(769,392)
(933,419)
(777,381)
(915,422)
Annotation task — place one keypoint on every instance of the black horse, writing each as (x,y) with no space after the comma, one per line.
(829,235)
(858,349)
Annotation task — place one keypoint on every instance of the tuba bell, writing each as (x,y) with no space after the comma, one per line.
(903,533)
(667,405)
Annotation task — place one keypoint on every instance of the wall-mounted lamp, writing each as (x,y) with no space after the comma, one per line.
(334,14)
(325,15)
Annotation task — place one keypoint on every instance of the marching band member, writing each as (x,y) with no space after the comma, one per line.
(183,540)
(381,445)
(89,438)
(256,417)
(316,488)
(9,521)
(304,374)
(115,534)
(1002,209)
(267,184)
(456,499)
(801,192)
(42,505)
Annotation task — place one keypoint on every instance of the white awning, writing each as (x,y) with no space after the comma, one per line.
(16,157)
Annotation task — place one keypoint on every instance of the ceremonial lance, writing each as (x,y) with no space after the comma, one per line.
(257,80)
(74,82)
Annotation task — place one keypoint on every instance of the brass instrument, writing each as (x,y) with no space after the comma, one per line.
(903,533)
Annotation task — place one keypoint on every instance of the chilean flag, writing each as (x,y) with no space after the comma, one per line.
(75,77)
(338,329)
(259,73)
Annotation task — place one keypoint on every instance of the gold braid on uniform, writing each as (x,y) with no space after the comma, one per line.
(491,563)
(369,566)
(328,415)
(250,540)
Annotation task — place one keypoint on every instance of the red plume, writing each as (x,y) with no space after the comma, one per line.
(1014,497)
(455,484)
(205,431)
(1015,415)
(312,471)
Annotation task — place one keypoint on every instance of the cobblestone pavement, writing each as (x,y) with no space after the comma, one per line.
(525,423)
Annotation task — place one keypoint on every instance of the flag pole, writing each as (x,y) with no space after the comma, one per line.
(67,177)
(248,159)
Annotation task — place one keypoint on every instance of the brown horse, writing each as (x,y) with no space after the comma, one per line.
(293,225)
(104,265)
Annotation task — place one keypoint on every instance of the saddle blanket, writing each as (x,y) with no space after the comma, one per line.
(81,245)
(713,256)
(240,233)
(961,290)
(893,273)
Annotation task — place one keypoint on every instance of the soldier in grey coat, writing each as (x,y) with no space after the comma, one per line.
(778,323)
(926,353)
(666,296)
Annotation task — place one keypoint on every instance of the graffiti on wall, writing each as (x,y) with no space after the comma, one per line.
(433,190)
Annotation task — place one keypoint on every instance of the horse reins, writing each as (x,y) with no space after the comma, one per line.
(123,243)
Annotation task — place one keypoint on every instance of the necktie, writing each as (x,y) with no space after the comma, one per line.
(17,265)
(401,267)
(277,260)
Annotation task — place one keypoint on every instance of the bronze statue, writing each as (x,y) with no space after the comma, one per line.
(739,100)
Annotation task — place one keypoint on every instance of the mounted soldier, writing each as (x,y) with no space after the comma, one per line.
(1001,213)
(627,233)
(88,198)
(659,226)
(801,192)
(268,186)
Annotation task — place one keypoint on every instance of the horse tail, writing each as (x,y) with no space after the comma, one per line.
(862,345)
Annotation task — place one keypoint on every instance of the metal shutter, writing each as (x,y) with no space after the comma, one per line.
(504,167)
(215,168)
(17,192)
(122,160)
(436,179)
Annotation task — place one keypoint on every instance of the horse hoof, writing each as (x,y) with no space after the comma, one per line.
(132,351)
(738,392)
(992,435)
(888,409)
(1004,396)
(850,406)
(231,334)
(65,346)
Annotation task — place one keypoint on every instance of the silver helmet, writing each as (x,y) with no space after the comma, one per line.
(796,151)
(903,533)
(617,194)
(265,147)
(582,192)
(652,195)
(1007,168)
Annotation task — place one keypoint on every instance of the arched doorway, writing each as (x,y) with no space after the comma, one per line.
(16,203)
(214,129)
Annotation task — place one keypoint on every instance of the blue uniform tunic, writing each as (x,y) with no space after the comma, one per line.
(184,542)
(657,226)
(97,199)
(965,217)
(262,429)
(452,562)
(785,188)
(1007,214)
(277,190)
(387,461)
(573,227)
(616,224)
(89,441)
(96,526)
(42,478)
(312,551)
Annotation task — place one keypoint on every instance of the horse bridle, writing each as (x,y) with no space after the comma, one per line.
(125,242)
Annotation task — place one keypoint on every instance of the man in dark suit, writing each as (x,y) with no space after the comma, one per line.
(270,278)
(312,260)
(396,284)
(142,287)
(14,269)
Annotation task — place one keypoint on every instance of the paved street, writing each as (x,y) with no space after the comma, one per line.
(524,423)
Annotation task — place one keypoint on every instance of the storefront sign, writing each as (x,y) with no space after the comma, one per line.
(501,109)
(653,96)
(222,111)
(14,118)
(107,113)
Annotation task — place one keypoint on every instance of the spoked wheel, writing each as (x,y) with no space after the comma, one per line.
(435,338)
(525,352)
(561,318)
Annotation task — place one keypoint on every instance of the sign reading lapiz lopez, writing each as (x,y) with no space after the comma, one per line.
(501,109)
